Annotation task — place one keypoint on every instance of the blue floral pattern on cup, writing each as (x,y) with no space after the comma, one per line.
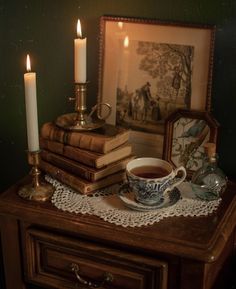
(151,191)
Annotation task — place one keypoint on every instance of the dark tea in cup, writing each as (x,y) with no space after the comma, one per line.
(149,172)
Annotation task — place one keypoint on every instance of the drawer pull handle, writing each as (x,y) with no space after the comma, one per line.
(107,278)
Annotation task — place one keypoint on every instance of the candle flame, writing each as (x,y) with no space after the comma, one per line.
(126,41)
(79,31)
(28,65)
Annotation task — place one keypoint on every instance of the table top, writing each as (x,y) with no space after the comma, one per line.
(199,238)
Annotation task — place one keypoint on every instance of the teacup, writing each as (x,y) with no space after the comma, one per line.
(150,179)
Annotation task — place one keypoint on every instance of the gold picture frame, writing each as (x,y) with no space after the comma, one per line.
(186,133)
(149,68)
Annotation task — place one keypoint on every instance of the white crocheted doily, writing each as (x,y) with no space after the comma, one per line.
(107,205)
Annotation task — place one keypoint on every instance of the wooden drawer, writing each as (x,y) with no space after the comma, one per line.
(49,259)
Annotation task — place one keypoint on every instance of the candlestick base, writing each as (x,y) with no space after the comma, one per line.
(37,190)
(41,193)
(70,122)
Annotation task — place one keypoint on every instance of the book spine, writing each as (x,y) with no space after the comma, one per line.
(68,165)
(78,169)
(52,146)
(85,157)
(102,142)
(49,131)
(81,185)
(92,159)
(82,140)
(87,142)
(62,176)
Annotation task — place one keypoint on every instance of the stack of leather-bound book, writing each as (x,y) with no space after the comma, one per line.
(85,160)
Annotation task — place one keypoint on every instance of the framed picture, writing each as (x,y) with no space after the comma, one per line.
(148,69)
(186,133)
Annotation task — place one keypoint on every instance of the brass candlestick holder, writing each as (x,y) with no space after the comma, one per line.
(80,120)
(37,190)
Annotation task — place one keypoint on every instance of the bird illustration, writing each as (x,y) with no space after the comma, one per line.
(191,147)
(195,129)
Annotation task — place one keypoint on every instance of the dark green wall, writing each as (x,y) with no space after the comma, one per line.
(46,30)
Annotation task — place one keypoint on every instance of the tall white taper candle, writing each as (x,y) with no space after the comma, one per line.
(80,56)
(31,108)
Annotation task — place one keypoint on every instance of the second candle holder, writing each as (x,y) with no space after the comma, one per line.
(80,120)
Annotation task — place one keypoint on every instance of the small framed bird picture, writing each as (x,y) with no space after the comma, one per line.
(186,132)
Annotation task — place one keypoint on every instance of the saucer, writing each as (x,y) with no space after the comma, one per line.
(128,198)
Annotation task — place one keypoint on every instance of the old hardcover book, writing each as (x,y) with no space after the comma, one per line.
(81,170)
(79,184)
(93,159)
(101,140)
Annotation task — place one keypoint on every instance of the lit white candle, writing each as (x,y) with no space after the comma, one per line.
(31,108)
(80,56)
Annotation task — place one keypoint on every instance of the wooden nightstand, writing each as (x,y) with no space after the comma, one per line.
(41,244)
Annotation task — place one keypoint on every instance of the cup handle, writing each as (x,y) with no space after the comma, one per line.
(97,108)
(179,181)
